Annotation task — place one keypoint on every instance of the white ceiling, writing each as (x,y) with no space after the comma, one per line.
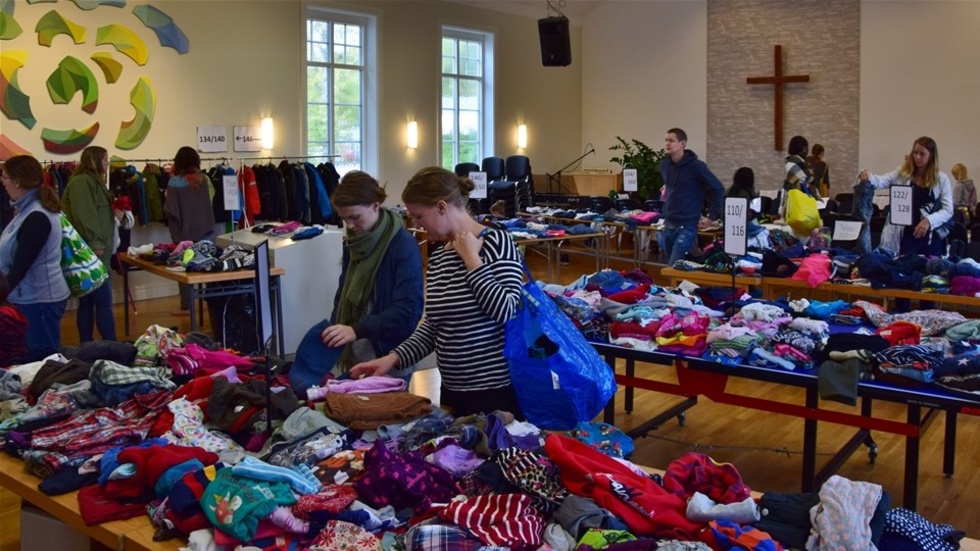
(575,10)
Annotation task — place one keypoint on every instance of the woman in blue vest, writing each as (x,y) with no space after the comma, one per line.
(30,255)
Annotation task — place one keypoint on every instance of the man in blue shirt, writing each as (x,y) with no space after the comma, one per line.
(688,183)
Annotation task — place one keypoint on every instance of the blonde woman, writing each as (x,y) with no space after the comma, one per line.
(964,192)
(87,203)
(932,201)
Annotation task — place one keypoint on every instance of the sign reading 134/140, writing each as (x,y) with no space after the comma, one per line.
(212,139)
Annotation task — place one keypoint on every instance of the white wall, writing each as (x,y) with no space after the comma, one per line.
(644,71)
(920,77)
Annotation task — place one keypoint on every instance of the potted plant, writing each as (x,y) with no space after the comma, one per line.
(646,161)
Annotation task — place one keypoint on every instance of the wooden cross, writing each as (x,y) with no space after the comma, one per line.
(778,79)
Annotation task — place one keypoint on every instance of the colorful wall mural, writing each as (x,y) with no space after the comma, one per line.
(81,75)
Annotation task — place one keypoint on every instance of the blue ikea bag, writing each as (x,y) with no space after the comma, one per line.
(559,378)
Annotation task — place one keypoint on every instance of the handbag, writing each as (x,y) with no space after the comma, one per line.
(559,378)
(82,269)
(801,212)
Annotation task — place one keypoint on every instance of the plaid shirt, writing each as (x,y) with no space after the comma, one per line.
(94,431)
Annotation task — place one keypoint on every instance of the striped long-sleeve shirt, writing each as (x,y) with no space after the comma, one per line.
(465,314)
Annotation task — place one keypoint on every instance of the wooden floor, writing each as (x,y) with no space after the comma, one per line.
(764,447)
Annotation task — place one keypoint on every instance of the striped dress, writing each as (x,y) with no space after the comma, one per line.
(465,314)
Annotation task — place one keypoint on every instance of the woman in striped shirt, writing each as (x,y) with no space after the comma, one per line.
(473,287)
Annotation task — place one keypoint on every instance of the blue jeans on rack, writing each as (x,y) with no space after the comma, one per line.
(95,310)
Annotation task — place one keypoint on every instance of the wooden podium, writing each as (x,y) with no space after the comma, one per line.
(580,183)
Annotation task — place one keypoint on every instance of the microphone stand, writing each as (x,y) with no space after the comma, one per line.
(556,177)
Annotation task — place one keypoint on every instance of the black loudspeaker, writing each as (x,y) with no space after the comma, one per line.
(556,45)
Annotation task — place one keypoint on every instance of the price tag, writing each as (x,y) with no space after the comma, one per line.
(480,179)
(901,205)
(248,138)
(229,183)
(630,179)
(212,139)
(846,230)
(736,220)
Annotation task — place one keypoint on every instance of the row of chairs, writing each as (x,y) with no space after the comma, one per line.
(508,180)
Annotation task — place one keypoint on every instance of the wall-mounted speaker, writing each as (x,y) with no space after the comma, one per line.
(556,44)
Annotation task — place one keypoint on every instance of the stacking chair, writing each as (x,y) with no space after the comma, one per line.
(845,202)
(601,204)
(628,204)
(514,187)
(464,169)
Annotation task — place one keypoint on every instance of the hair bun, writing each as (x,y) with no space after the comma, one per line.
(466,186)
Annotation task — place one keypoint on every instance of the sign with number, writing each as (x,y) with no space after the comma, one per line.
(736,221)
(229,183)
(901,205)
(630,179)
(846,230)
(248,138)
(212,139)
(480,179)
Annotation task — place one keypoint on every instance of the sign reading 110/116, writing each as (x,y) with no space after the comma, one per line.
(736,220)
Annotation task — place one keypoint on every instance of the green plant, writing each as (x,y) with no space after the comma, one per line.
(646,161)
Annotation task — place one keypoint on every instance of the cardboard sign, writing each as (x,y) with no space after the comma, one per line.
(901,205)
(630,179)
(480,179)
(229,183)
(248,138)
(736,221)
(212,139)
(846,230)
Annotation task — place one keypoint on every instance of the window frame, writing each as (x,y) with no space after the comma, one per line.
(369,134)
(486,39)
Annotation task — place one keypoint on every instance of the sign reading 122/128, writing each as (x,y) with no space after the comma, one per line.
(736,220)
(901,205)
(212,139)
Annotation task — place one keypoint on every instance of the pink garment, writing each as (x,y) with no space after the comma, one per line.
(645,217)
(186,361)
(965,285)
(367,385)
(815,269)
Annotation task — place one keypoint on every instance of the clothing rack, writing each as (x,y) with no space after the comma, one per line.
(270,158)
(170,160)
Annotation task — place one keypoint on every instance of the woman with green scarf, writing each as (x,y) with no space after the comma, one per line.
(380,297)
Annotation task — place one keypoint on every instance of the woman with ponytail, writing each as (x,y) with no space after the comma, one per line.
(473,287)
(30,255)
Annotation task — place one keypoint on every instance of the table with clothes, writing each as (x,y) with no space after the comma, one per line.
(835,351)
(210,271)
(184,445)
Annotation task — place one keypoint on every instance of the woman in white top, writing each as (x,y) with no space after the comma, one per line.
(932,202)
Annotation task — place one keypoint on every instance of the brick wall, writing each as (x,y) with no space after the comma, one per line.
(819,38)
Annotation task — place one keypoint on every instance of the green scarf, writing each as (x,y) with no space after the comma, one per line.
(366,251)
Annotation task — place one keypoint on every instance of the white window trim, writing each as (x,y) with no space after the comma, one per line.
(486,38)
(370,134)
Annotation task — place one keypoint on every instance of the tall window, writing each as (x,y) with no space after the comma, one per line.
(340,77)
(467,96)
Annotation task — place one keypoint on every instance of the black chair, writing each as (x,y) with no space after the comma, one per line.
(832,206)
(877,226)
(958,234)
(494,167)
(972,250)
(601,204)
(766,204)
(513,187)
(653,205)
(464,169)
(976,212)
(628,204)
